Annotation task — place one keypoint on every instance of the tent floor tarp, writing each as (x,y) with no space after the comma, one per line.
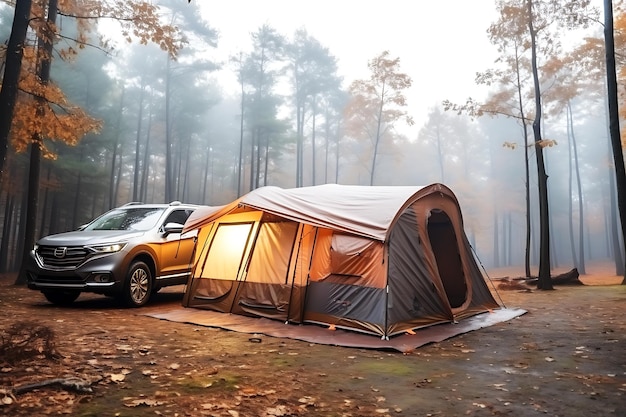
(322,335)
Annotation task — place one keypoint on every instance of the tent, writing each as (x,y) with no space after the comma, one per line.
(381,260)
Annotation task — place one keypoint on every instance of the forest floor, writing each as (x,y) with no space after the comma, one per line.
(565,357)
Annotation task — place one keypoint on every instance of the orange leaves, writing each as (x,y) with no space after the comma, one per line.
(381,98)
(142,21)
(45,113)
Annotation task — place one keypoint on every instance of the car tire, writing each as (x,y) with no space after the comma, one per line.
(138,285)
(61,297)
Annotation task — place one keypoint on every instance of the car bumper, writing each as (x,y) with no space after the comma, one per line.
(98,275)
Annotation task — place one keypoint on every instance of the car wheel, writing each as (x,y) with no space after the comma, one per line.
(138,285)
(61,297)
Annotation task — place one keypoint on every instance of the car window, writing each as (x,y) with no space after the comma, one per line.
(178,216)
(139,219)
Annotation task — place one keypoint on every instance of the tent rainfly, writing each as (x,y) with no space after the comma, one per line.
(381,260)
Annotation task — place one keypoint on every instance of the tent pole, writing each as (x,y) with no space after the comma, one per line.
(385,336)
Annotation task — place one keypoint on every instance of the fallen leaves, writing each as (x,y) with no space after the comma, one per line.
(216,373)
(117,377)
(139,402)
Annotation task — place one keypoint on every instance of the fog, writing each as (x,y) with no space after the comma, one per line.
(152,107)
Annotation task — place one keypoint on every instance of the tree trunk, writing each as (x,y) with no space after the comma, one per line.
(300,111)
(253,139)
(10,80)
(326,144)
(137,167)
(527,201)
(581,218)
(169,172)
(44,208)
(570,170)
(496,243)
(78,197)
(6,232)
(520,101)
(185,196)
(544,282)
(267,159)
(618,156)
(337,137)
(378,134)
(145,166)
(313,161)
(257,163)
(44,52)
(240,160)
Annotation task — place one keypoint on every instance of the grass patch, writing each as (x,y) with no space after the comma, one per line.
(391,368)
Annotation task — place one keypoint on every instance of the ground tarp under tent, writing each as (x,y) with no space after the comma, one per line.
(380,260)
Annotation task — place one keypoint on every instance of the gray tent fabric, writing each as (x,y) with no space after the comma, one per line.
(376,260)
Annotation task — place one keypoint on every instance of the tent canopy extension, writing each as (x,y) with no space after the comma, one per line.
(375,259)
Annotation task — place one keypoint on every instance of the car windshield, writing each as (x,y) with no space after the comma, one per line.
(140,219)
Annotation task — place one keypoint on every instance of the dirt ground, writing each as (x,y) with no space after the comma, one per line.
(565,357)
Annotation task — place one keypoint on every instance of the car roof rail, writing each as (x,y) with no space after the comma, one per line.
(132,203)
(175,203)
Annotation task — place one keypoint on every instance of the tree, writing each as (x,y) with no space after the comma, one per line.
(140,17)
(618,156)
(531,28)
(509,98)
(12,69)
(313,77)
(378,103)
(40,108)
(435,131)
(260,73)
(192,61)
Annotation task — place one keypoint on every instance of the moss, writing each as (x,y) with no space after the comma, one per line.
(388,368)
(221,382)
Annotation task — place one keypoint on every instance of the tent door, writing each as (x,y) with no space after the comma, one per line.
(443,241)
(266,288)
(219,273)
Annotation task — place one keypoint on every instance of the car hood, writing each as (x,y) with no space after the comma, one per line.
(88,237)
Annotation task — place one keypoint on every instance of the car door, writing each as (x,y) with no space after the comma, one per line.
(176,250)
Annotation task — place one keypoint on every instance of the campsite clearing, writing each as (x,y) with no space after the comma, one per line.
(565,357)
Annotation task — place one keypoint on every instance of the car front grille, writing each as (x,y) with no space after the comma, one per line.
(62,256)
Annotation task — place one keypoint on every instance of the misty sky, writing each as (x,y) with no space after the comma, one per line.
(441,44)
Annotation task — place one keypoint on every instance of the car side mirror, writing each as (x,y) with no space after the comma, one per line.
(172,228)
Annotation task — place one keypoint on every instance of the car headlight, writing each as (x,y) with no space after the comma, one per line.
(110,248)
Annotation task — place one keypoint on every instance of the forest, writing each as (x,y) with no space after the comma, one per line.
(150,122)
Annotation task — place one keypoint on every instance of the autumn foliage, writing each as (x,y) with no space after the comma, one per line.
(42,110)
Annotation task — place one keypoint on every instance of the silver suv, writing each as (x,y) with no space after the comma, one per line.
(129,252)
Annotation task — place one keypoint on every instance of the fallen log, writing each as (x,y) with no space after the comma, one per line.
(69,384)
(567,278)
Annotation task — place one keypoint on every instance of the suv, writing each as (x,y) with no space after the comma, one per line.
(129,252)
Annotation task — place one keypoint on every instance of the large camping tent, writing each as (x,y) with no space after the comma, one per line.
(381,260)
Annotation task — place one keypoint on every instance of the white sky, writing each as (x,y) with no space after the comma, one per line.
(441,43)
